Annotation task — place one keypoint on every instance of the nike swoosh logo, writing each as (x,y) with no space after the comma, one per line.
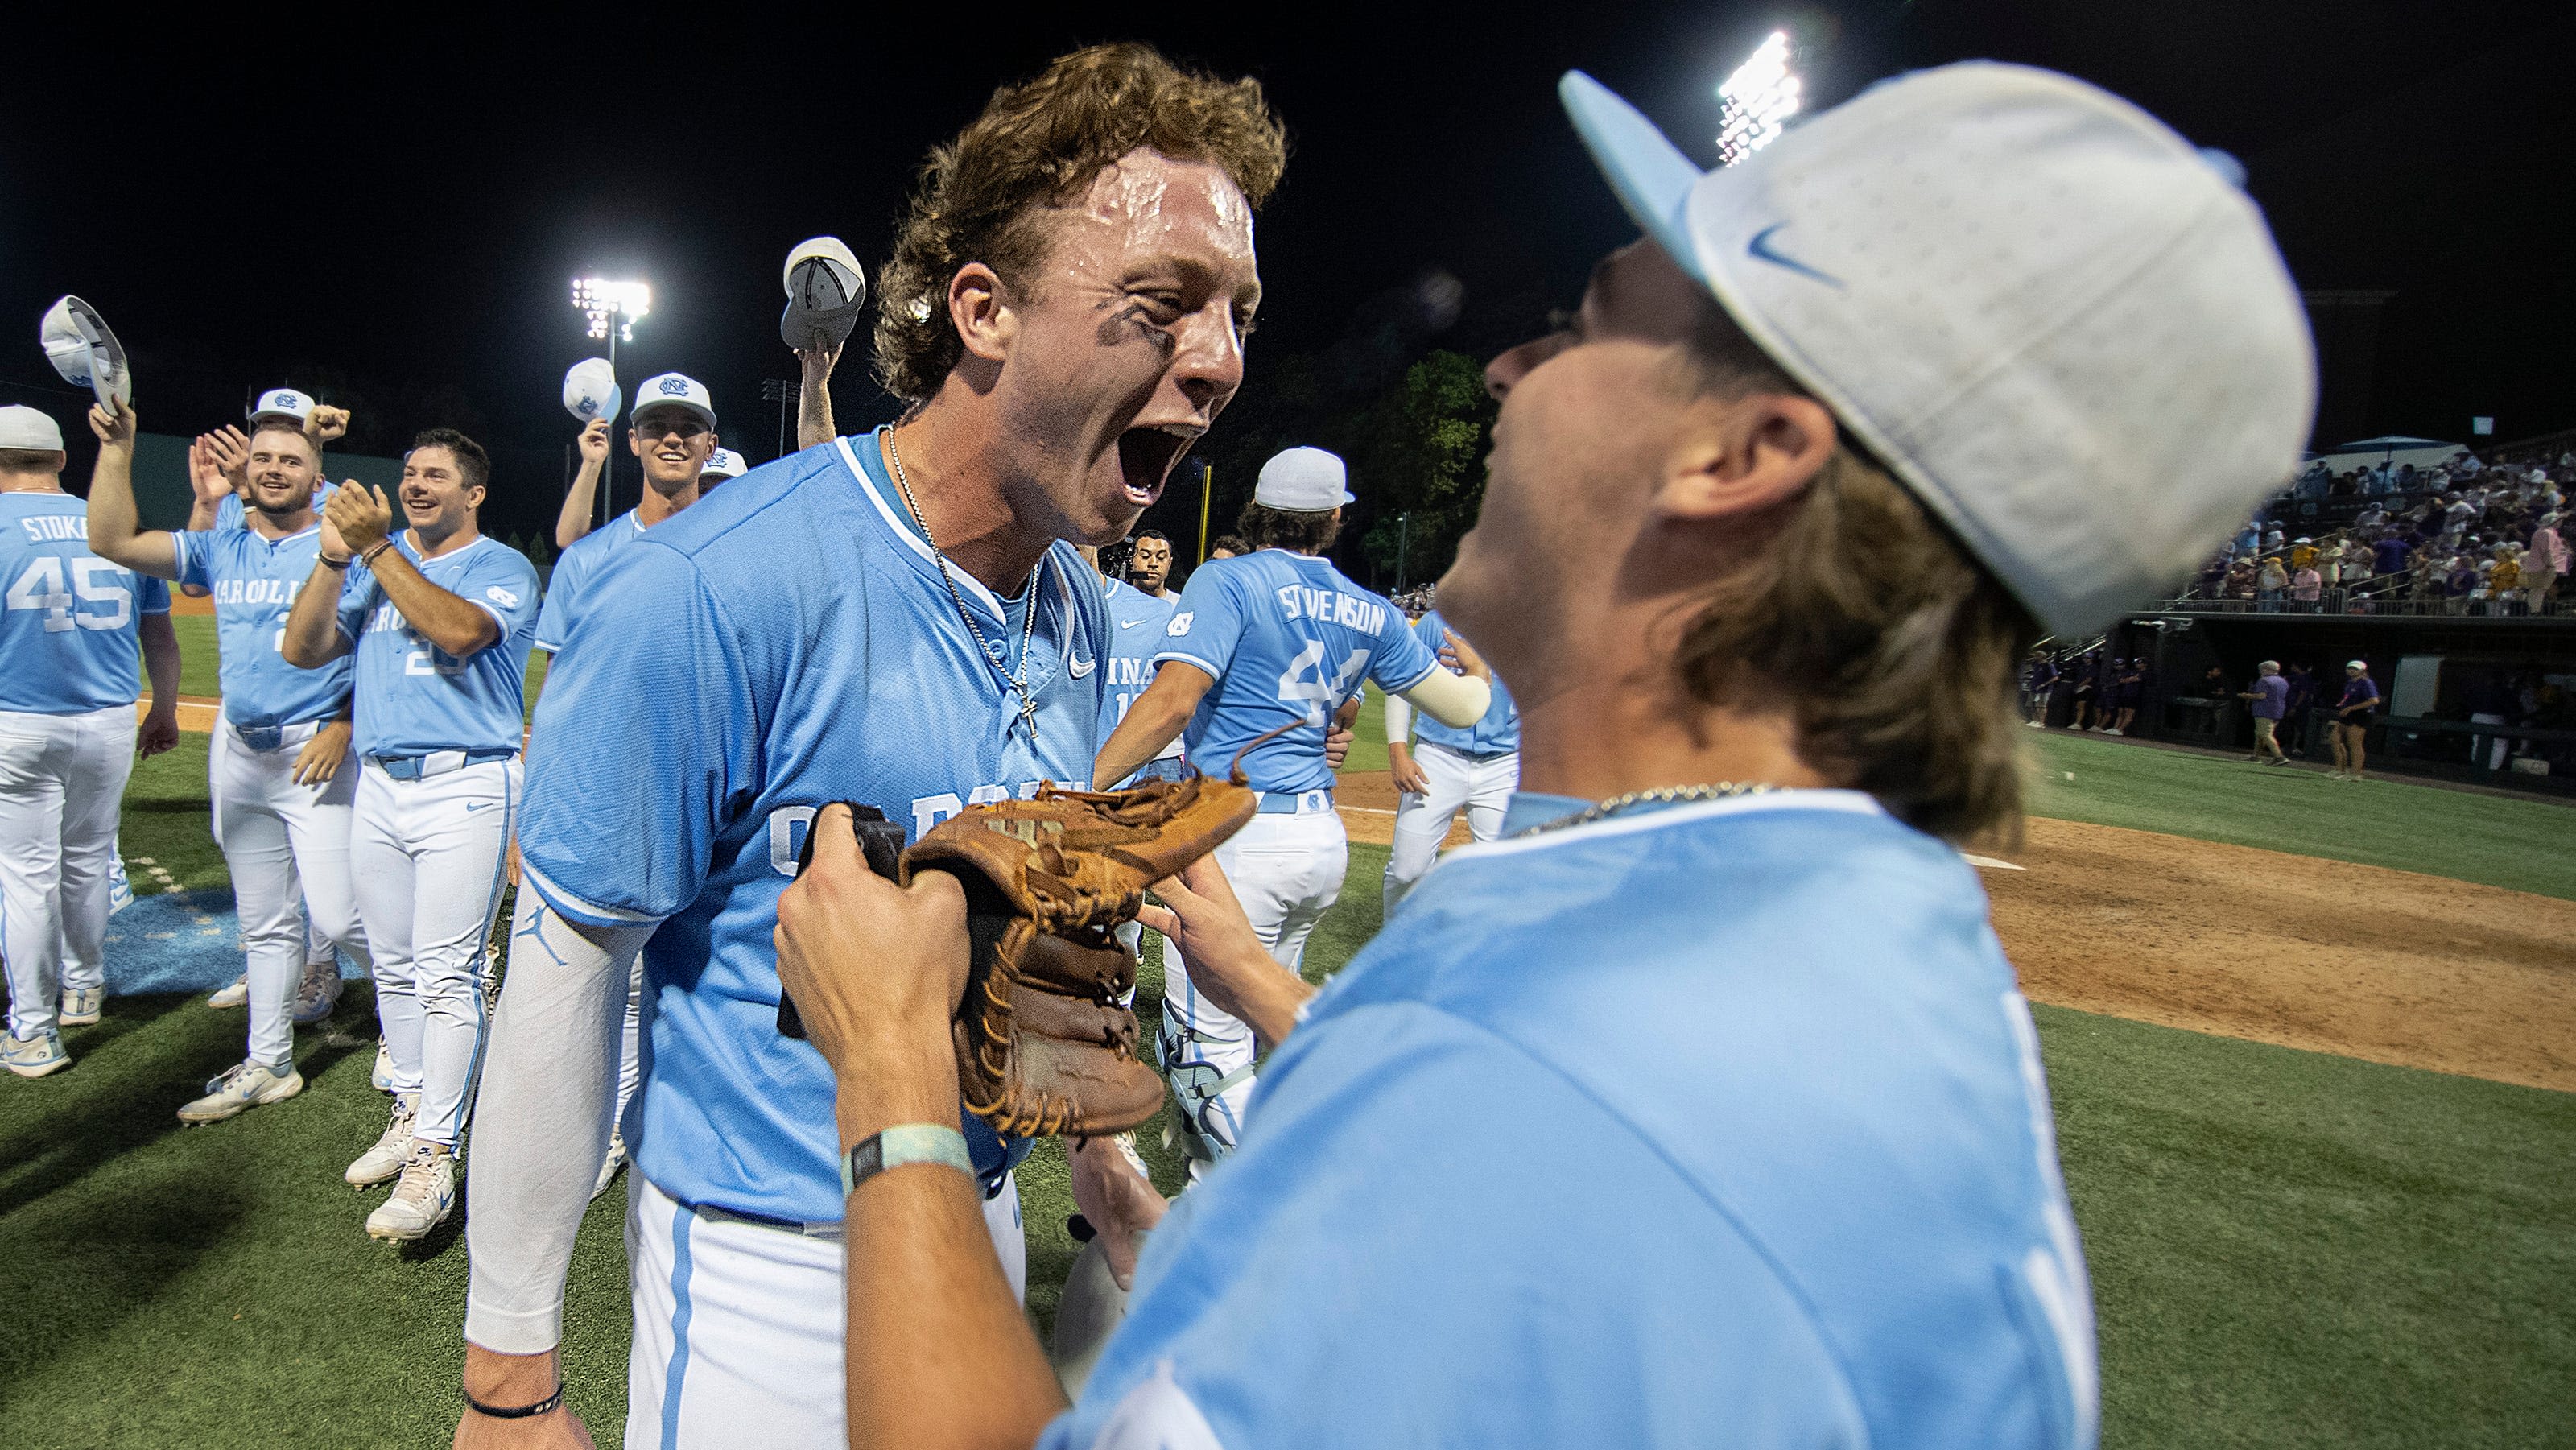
(476,805)
(1080,668)
(1129,623)
(1761,249)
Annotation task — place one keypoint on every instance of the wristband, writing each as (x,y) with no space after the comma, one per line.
(517,1412)
(368,556)
(328,562)
(904,1143)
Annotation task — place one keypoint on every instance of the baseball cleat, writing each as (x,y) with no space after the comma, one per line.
(383,1075)
(318,995)
(82,1005)
(615,1160)
(422,1200)
(236,995)
(824,291)
(392,1149)
(35,1056)
(243,1086)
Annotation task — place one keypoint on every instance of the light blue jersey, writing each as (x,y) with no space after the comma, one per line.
(69,631)
(254,582)
(575,567)
(1776,1168)
(1497,732)
(1286,637)
(414,697)
(783,644)
(230,513)
(1136,623)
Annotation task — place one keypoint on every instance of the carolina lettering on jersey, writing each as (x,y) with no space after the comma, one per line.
(254,581)
(414,697)
(785,642)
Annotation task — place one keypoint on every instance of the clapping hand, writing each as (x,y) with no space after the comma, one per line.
(359,515)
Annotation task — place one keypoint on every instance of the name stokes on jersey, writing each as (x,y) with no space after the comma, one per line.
(788,824)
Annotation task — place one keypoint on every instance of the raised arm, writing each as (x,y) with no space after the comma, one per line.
(365,520)
(814,399)
(574,520)
(1152,722)
(115,532)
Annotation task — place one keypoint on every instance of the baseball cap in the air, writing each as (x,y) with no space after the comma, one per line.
(723,463)
(29,428)
(85,351)
(1302,480)
(283,403)
(590,390)
(676,390)
(2055,321)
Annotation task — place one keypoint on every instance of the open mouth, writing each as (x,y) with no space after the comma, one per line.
(1145,459)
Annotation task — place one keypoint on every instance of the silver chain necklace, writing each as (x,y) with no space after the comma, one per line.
(1017,684)
(1659,795)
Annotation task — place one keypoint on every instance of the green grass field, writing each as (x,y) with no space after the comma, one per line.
(2288,1248)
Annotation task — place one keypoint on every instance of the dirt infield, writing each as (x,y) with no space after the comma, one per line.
(2388,966)
(2385,965)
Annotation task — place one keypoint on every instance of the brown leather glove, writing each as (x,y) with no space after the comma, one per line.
(1046,1039)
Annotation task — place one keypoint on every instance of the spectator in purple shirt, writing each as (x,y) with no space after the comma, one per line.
(2271,697)
(2352,719)
(2388,556)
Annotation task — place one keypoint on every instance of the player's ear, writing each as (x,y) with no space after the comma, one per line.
(981,312)
(634,444)
(1742,455)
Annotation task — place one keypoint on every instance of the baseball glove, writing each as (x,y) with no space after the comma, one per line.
(1045,1038)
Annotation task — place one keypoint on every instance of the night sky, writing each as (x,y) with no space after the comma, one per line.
(407,207)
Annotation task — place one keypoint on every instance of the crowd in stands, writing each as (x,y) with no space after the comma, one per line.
(2458,538)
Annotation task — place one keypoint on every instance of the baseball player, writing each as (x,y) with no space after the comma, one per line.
(275,761)
(440,619)
(1475,769)
(1793,1055)
(70,628)
(1149,565)
(892,620)
(722,463)
(673,430)
(219,466)
(1260,654)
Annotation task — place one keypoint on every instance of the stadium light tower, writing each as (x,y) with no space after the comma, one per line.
(1757,100)
(613,309)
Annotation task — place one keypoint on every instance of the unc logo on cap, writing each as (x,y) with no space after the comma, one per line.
(285,400)
(675,387)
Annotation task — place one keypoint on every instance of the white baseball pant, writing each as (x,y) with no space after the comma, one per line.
(287,846)
(740,1326)
(1287,871)
(427,858)
(1454,779)
(61,780)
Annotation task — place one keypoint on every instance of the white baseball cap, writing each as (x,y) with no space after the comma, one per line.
(590,390)
(2050,317)
(81,348)
(1303,480)
(724,463)
(29,428)
(283,403)
(2355,665)
(676,390)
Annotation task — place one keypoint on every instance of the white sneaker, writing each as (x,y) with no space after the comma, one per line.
(386,1159)
(81,1006)
(244,1085)
(2110,732)
(35,1056)
(318,995)
(2035,725)
(236,995)
(422,1200)
(383,1075)
(616,1159)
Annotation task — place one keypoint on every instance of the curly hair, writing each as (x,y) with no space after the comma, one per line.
(1038,146)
